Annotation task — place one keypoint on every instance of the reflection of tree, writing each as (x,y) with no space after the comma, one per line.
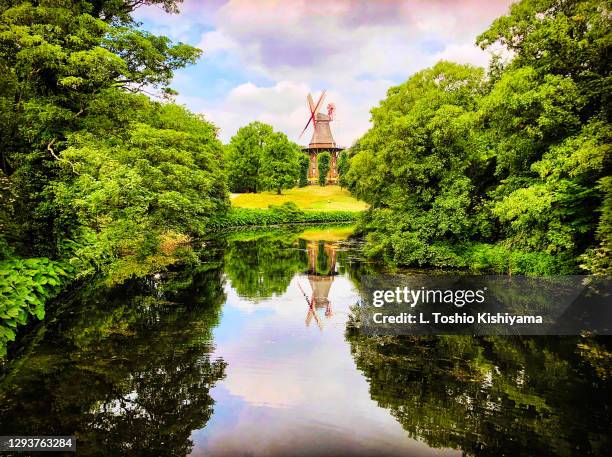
(491,395)
(128,372)
(262,267)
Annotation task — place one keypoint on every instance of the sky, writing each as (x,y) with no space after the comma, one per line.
(262,57)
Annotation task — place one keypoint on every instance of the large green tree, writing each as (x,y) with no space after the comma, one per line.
(59,60)
(138,188)
(244,157)
(418,165)
(547,119)
(520,158)
(91,171)
(280,168)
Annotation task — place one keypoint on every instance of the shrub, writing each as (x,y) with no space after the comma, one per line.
(25,286)
(323,165)
(304,167)
(287,213)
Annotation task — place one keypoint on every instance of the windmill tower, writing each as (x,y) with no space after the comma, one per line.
(322,140)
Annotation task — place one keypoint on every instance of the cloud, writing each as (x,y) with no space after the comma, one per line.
(353,48)
(216,41)
(284,106)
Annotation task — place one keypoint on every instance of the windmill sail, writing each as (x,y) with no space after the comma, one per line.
(313,111)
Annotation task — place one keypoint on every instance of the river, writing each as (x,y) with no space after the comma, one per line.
(247,353)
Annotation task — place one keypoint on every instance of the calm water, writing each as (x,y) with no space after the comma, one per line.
(248,354)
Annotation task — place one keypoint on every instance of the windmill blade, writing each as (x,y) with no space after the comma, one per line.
(313,111)
(316,109)
(307,124)
(311,104)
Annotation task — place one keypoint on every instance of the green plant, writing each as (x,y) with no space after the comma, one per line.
(304,167)
(287,213)
(25,286)
(280,165)
(343,167)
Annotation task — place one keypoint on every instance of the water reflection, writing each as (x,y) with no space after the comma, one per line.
(492,395)
(321,272)
(227,359)
(263,266)
(128,372)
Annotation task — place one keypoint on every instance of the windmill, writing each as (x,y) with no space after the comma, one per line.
(322,139)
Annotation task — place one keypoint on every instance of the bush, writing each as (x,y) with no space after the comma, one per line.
(304,167)
(25,286)
(484,258)
(323,165)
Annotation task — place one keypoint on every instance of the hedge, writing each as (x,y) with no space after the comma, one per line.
(287,213)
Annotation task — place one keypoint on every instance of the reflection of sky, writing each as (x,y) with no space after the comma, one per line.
(293,389)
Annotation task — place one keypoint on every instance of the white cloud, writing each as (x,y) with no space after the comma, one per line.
(216,41)
(284,106)
(464,53)
(356,50)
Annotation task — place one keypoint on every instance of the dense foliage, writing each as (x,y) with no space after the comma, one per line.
(519,157)
(260,159)
(304,167)
(343,167)
(280,168)
(244,155)
(91,172)
(323,166)
(25,285)
(490,396)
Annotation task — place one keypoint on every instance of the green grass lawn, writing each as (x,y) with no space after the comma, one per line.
(328,198)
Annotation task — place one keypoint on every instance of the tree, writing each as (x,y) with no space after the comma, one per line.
(417,166)
(561,38)
(343,167)
(244,157)
(59,60)
(547,119)
(304,168)
(132,188)
(280,166)
(323,166)
(518,160)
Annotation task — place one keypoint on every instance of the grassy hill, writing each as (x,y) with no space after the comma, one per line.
(328,198)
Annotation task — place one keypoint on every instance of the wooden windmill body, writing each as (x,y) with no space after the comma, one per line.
(322,140)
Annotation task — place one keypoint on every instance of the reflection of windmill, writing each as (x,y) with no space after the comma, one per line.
(322,139)
(321,272)
(312,312)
